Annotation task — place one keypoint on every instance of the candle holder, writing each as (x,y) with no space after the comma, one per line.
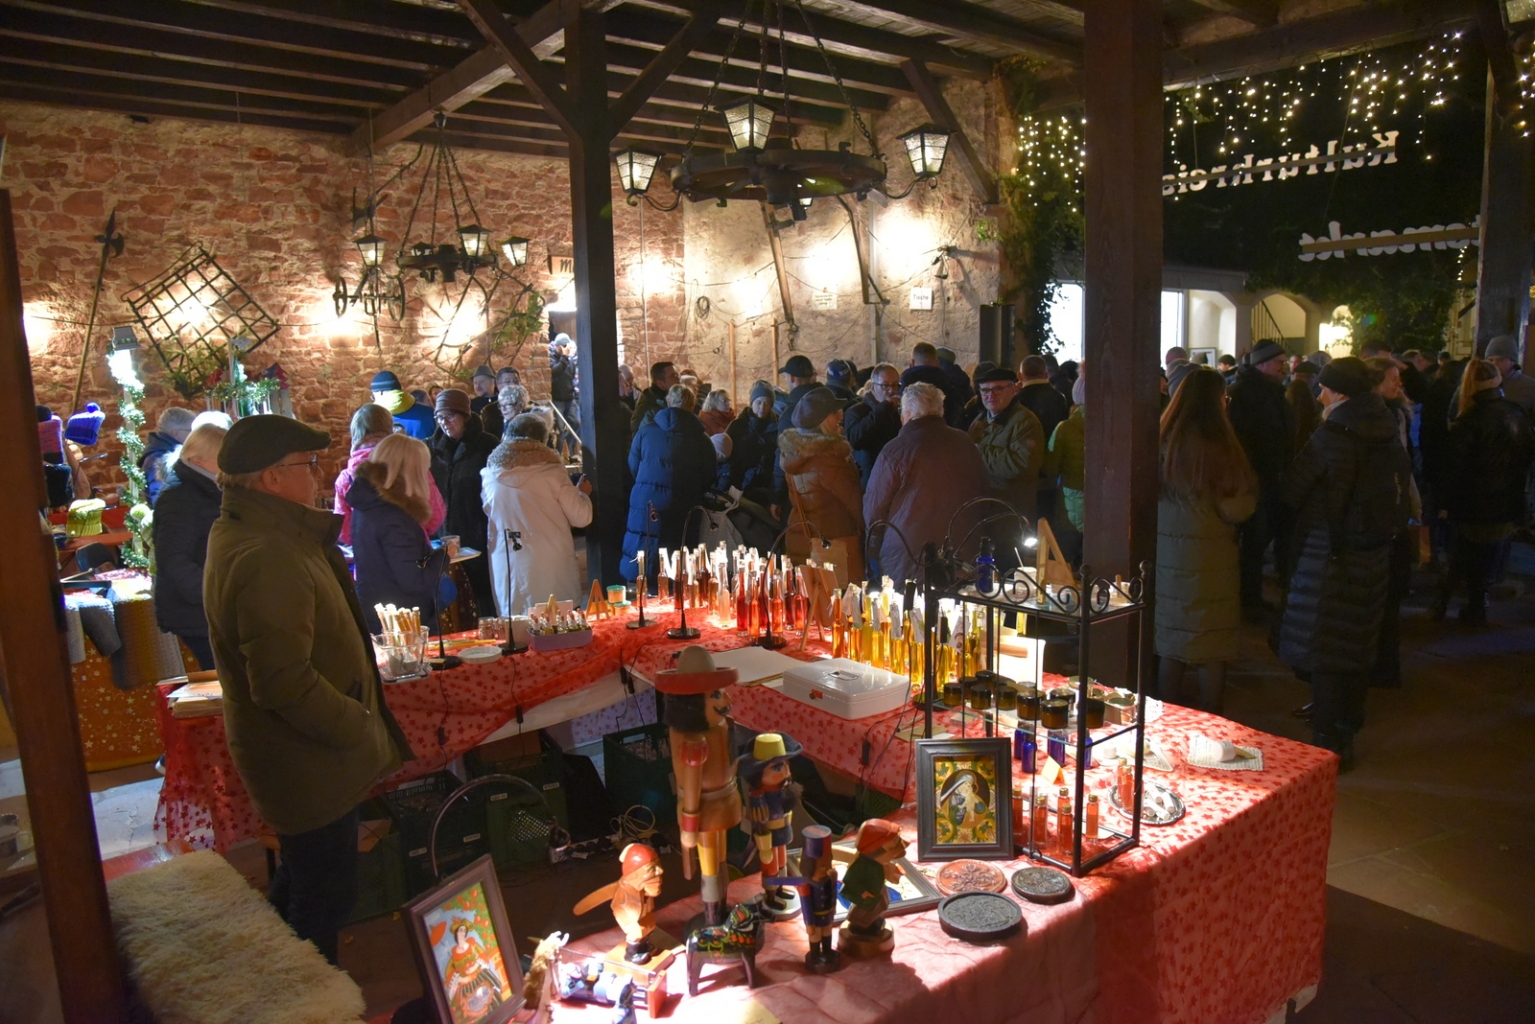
(639,597)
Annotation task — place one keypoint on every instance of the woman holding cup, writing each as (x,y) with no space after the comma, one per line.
(390,499)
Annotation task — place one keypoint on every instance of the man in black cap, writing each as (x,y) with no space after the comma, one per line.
(411,416)
(304,711)
(802,380)
(1264,424)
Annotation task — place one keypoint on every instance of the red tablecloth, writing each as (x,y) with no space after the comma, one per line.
(1217,918)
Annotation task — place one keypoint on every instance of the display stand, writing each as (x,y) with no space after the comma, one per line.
(1086,603)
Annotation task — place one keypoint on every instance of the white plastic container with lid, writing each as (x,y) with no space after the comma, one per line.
(846,688)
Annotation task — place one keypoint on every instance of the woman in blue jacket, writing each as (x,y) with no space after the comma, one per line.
(672,461)
(390,507)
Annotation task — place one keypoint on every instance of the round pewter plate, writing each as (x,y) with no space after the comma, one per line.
(1043,885)
(979,916)
(1159,805)
(970,876)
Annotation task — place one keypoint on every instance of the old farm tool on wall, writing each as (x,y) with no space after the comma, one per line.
(111,245)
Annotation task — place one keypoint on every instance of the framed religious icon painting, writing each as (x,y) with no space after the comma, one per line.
(964,799)
(469,966)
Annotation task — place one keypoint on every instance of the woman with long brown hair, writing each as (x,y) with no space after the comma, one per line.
(1490,448)
(1208,487)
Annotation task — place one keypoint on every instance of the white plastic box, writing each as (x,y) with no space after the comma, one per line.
(846,688)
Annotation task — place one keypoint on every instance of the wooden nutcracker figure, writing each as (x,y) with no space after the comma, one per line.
(708,798)
(817,886)
(765,776)
(865,932)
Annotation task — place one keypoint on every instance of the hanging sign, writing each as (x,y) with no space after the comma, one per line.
(1382,243)
(562,266)
(824,300)
(921,298)
(1287,165)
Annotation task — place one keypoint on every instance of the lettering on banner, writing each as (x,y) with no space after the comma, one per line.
(1384,243)
(1246,171)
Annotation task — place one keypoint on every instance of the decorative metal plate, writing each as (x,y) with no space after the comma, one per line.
(1043,885)
(979,916)
(970,876)
(1159,805)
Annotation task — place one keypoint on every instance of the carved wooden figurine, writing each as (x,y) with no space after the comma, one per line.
(633,899)
(765,776)
(818,898)
(708,799)
(739,938)
(865,932)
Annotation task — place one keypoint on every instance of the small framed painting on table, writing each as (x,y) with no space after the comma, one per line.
(964,794)
(464,948)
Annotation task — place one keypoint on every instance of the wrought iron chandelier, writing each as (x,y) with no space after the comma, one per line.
(380,291)
(770,168)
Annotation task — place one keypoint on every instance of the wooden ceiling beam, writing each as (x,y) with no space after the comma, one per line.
(701,70)
(675,103)
(407,21)
(538,77)
(472,78)
(1261,13)
(40,76)
(157,108)
(975,169)
(657,71)
(969,22)
(1337,34)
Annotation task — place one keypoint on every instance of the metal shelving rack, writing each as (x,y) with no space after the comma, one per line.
(1018,591)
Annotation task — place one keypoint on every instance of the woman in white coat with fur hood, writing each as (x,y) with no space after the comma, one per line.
(532,506)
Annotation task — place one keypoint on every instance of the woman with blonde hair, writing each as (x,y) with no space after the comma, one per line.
(370,425)
(391,504)
(1490,453)
(716,414)
(1208,487)
(188,507)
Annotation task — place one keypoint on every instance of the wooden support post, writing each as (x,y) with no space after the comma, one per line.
(775,246)
(34,672)
(1123,72)
(604,424)
(1504,263)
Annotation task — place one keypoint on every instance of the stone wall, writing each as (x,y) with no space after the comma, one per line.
(274,208)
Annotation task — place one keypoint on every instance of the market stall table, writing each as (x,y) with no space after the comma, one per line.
(1216,918)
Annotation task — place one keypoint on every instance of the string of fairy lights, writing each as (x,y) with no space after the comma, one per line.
(1378,91)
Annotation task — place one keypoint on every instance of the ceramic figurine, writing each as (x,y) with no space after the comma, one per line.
(765,776)
(865,932)
(739,938)
(633,899)
(538,987)
(817,886)
(708,798)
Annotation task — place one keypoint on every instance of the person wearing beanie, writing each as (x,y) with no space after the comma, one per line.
(1177,374)
(1010,440)
(820,481)
(1348,491)
(875,419)
(841,377)
(1503,353)
(1261,417)
(1490,448)
(753,447)
(1306,373)
(410,415)
(460,449)
(304,712)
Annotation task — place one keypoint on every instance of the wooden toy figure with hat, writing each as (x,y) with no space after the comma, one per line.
(817,886)
(708,800)
(865,932)
(633,899)
(765,776)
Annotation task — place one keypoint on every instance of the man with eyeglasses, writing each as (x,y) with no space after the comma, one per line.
(1011,441)
(873,421)
(304,710)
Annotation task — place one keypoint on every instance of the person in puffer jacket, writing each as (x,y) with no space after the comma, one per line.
(673,463)
(821,481)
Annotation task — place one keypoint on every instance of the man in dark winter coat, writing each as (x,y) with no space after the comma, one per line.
(672,462)
(562,384)
(460,449)
(802,380)
(663,377)
(1349,489)
(874,420)
(1039,397)
(171,429)
(919,482)
(959,380)
(184,515)
(1263,422)
(925,369)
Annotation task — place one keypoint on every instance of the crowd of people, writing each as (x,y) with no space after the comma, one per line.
(1344,471)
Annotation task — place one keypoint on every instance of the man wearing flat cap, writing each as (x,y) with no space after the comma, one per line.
(1265,425)
(304,711)
(1010,440)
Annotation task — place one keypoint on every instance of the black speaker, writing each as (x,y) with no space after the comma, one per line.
(996,343)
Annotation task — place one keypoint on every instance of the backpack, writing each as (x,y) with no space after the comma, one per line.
(1375,511)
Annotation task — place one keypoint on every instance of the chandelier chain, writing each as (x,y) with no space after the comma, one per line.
(714,87)
(863,129)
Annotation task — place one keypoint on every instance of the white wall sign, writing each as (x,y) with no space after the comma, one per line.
(824,300)
(1288,165)
(921,298)
(1383,243)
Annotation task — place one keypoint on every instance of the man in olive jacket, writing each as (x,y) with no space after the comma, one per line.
(304,710)
(1010,440)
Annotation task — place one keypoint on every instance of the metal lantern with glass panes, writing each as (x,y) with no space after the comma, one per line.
(1004,611)
(926,147)
(376,290)
(515,249)
(750,123)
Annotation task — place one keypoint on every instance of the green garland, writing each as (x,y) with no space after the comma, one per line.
(139,554)
(246,395)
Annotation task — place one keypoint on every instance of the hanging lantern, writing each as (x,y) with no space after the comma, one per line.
(749,123)
(926,146)
(516,251)
(372,248)
(635,169)
(473,239)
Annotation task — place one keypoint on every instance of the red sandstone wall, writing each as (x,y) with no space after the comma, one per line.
(274,208)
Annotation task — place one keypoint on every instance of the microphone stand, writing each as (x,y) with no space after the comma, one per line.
(682,631)
(444,659)
(513,543)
